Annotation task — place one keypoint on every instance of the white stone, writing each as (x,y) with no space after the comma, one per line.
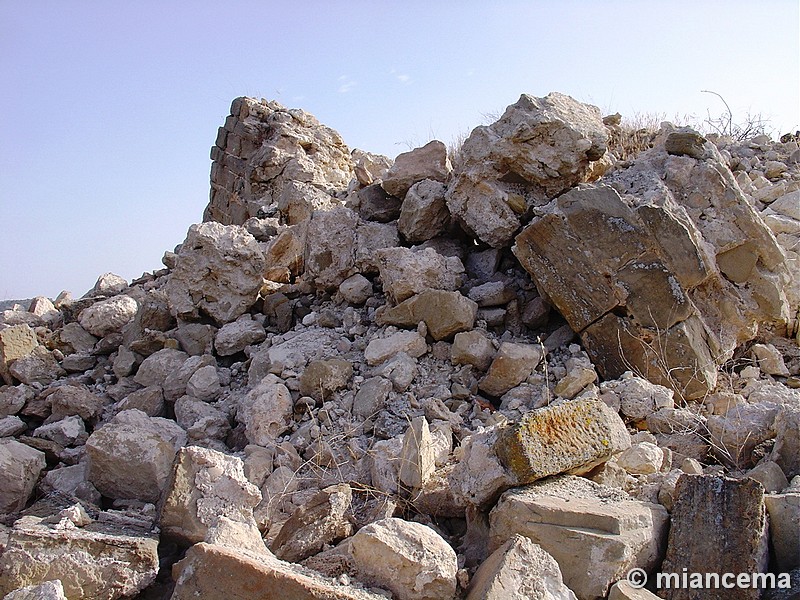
(265,411)
(410,342)
(20,466)
(235,337)
(204,384)
(108,316)
(641,459)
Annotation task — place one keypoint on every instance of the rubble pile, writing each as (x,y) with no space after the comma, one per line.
(521,377)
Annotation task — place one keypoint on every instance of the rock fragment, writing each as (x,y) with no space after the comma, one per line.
(512,365)
(108,316)
(20,466)
(427,162)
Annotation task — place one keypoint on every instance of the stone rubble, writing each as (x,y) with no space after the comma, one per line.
(504,373)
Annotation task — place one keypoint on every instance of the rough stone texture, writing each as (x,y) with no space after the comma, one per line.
(322,520)
(356,289)
(622,590)
(638,398)
(406,271)
(784,528)
(12,399)
(539,148)
(735,434)
(20,466)
(769,360)
(719,525)
(330,251)
(38,367)
(235,337)
(109,315)
(131,456)
(512,365)
(410,342)
(371,237)
(595,533)
(374,204)
(97,562)
(573,437)
(371,396)
(445,313)
(76,338)
(321,378)
(519,570)
(218,272)
(157,368)
(479,477)
(68,431)
(204,384)
(264,148)
(215,572)
(770,475)
(15,342)
(642,458)
(423,214)
(206,485)
(265,411)
(69,400)
(417,457)
(176,370)
(49,590)
(427,162)
(786,451)
(408,558)
(472,348)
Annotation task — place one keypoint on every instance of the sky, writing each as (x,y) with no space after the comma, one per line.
(108,109)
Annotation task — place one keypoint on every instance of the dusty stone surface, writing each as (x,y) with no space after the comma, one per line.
(406,271)
(218,272)
(321,378)
(48,590)
(519,569)
(20,466)
(418,455)
(265,411)
(408,558)
(702,536)
(428,162)
(423,214)
(109,315)
(409,342)
(99,561)
(784,528)
(786,452)
(131,456)
(235,337)
(444,313)
(595,533)
(512,365)
(15,342)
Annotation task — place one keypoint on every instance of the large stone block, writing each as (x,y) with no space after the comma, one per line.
(595,533)
(428,162)
(15,342)
(445,313)
(406,271)
(20,466)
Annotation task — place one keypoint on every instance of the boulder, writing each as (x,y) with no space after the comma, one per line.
(321,378)
(519,570)
(265,411)
(180,370)
(356,289)
(595,533)
(204,384)
(206,485)
(131,456)
(427,162)
(539,148)
(330,251)
(786,452)
(262,150)
(445,313)
(217,572)
(769,360)
(48,590)
(20,466)
(16,342)
(719,525)
(735,434)
(406,271)
(159,366)
(235,337)
(104,560)
(512,365)
(218,272)
(623,590)
(423,214)
(69,431)
(784,528)
(322,520)
(472,348)
(381,349)
(39,367)
(13,399)
(637,397)
(408,558)
(374,204)
(478,476)
(371,397)
(642,458)
(70,400)
(76,339)
(108,316)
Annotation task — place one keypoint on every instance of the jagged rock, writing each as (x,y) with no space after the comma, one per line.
(204,384)
(770,360)
(11,426)
(786,451)
(76,338)
(770,475)
(20,466)
(69,431)
(321,378)
(79,363)
(131,456)
(201,420)
(330,251)
(539,148)
(215,572)
(15,342)
(370,167)
(278,485)
(479,477)
(157,368)
(297,201)
(284,253)
(371,237)
(417,457)
(371,396)
(72,481)
(265,411)
(356,289)
(101,561)
(108,316)
(410,559)
(472,348)
(512,365)
(406,271)
(623,590)
(445,313)
(12,399)
(575,381)
(427,162)
(38,367)
(410,342)
(595,533)
(181,369)
(48,590)
(423,214)
(108,284)
(642,458)
(719,525)
(323,520)
(374,204)
(784,528)
(572,437)
(235,337)
(638,398)
(519,570)
(69,400)
(206,485)
(218,272)
(262,149)
(735,434)
(295,353)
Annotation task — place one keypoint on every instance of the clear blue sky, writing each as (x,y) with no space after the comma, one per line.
(109,108)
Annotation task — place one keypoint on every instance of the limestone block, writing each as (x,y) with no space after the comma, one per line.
(408,558)
(595,533)
(20,466)
(512,365)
